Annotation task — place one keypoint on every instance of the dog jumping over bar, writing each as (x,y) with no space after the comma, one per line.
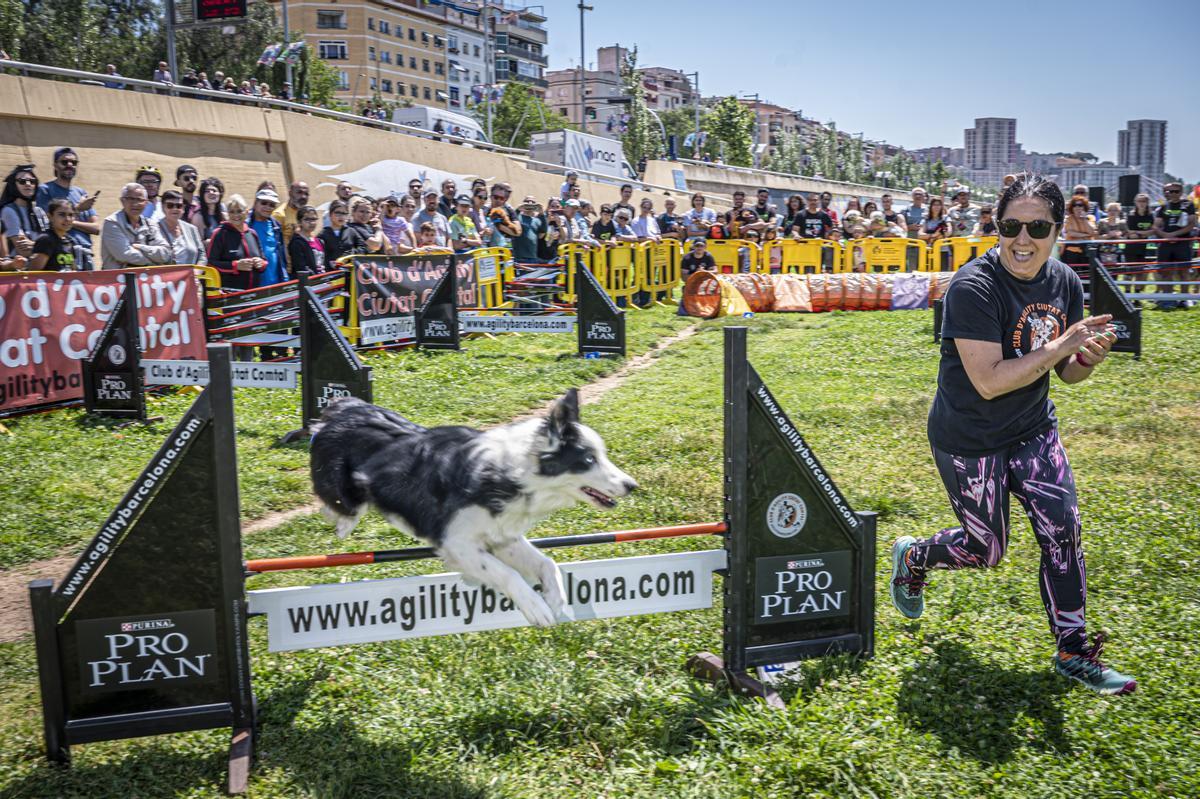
(471,494)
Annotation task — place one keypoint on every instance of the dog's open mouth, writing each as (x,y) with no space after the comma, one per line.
(599,497)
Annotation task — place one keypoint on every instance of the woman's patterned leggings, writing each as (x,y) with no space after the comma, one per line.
(1036,472)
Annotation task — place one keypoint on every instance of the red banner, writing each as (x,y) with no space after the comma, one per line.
(49,322)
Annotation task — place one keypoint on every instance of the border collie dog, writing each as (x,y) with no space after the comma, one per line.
(472,494)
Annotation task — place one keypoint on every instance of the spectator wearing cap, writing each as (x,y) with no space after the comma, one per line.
(128,238)
(621,221)
(564,191)
(962,216)
(186,245)
(576,227)
(186,179)
(533,227)
(448,199)
(429,213)
(464,235)
(270,237)
(287,215)
(646,226)
(397,230)
(914,214)
(603,229)
(66,166)
(151,180)
(502,217)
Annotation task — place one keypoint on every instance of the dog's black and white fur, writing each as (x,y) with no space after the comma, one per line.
(472,494)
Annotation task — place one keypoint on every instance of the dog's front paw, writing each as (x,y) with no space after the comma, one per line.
(537,612)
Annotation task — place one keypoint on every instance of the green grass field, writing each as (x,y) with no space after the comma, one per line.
(960,704)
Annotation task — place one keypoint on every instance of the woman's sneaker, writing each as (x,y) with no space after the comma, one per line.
(907,589)
(1085,667)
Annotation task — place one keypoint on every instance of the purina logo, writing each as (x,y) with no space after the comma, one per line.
(816,563)
(153,624)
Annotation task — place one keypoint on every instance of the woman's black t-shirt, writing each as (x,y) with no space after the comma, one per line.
(986,303)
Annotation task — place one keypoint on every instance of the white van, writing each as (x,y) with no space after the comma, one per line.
(452,123)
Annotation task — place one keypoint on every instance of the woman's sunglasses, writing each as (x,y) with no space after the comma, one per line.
(1038,228)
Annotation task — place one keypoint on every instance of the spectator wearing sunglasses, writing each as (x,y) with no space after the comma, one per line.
(21,221)
(151,180)
(187,247)
(1078,227)
(1011,317)
(128,238)
(1174,219)
(66,166)
(501,217)
(270,237)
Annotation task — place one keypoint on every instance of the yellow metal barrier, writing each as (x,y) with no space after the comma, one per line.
(592,258)
(735,255)
(622,279)
(493,266)
(801,256)
(660,268)
(949,255)
(884,255)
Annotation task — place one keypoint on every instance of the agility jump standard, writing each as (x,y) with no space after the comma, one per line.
(147,632)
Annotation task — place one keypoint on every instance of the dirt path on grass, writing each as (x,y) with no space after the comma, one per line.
(15,621)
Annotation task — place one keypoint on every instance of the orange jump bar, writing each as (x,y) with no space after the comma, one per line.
(422,553)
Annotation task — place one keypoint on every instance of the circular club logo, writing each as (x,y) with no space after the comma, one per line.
(786,515)
(116,354)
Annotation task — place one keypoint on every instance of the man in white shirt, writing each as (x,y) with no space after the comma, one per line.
(646,226)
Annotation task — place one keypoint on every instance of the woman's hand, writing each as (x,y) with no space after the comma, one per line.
(1096,348)
(1084,331)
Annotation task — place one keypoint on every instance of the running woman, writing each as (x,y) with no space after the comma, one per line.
(1010,316)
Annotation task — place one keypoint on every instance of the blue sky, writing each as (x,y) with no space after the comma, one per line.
(916,74)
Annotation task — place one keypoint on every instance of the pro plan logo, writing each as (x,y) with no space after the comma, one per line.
(601,331)
(137,653)
(436,328)
(786,515)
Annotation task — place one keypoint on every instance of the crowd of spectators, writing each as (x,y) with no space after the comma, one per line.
(262,238)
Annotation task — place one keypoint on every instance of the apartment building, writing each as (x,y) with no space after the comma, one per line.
(391,50)
(1143,146)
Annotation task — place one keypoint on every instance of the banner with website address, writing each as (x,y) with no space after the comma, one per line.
(388,290)
(49,321)
(442,604)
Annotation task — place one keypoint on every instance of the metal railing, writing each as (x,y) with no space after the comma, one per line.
(522,156)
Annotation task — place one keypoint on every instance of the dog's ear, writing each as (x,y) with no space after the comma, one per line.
(563,413)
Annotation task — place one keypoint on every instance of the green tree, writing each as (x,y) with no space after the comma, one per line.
(788,156)
(853,159)
(642,139)
(518,114)
(207,49)
(681,123)
(827,153)
(317,82)
(730,128)
(12,27)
